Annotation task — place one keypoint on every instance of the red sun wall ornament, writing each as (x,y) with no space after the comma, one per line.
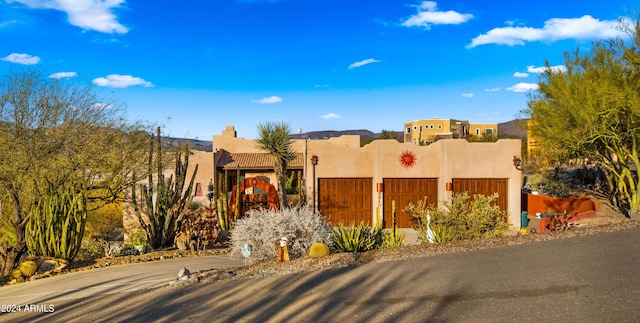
(407,159)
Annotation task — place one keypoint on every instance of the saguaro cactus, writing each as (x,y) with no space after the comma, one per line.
(56,225)
(165,200)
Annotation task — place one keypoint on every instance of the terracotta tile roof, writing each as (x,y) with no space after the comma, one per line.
(231,161)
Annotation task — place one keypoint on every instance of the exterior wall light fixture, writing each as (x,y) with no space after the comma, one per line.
(517,162)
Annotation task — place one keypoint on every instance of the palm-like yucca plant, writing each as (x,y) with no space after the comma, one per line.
(275,139)
(357,238)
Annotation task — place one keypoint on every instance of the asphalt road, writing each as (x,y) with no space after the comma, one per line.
(582,279)
(107,280)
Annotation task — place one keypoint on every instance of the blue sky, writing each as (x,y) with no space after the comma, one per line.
(196,66)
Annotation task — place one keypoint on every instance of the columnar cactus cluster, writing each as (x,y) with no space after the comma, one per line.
(165,200)
(56,224)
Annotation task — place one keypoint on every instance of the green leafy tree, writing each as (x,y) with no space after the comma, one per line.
(275,139)
(57,133)
(388,134)
(593,110)
(384,134)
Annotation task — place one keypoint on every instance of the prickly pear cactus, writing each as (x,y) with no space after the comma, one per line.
(319,250)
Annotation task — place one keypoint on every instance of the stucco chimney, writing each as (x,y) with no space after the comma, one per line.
(230,131)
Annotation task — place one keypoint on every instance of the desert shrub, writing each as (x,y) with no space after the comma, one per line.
(7,231)
(442,233)
(102,222)
(584,176)
(194,206)
(90,249)
(202,226)
(262,228)
(464,218)
(553,187)
(319,250)
(128,250)
(392,239)
(558,221)
(357,238)
(291,185)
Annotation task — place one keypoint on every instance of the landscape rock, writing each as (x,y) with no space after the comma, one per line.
(183,274)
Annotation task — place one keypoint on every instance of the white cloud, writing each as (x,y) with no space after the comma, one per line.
(520,74)
(554,29)
(542,69)
(268,100)
(495,89)
(468,95)
(7,23)
(429,15)
(523,87)
(121,81)
(330,115)
(321,85)
(24,59)
(363,62)
(61,75)
(87,14)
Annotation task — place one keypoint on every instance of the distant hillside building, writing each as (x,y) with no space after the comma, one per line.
(484,129)
(430,130)
(427,131)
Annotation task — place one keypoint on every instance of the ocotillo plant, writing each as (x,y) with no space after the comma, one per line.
(164,201)
(56,225)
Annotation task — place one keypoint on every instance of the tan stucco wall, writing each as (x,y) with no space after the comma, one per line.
(343,157)
(445,159)
(204,160)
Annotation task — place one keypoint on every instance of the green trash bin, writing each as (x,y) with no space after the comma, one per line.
(524,222)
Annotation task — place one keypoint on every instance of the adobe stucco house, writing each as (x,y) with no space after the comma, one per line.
(349,182)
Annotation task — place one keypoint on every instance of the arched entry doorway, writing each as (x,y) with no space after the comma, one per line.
(253,201)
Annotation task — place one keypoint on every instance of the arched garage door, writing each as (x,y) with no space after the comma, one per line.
(346,200)
(405,191)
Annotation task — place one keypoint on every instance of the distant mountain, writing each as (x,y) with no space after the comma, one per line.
(194,144)
(515,128)
(326,134)
(365,136)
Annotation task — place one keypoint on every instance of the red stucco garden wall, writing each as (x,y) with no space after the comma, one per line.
(580,208)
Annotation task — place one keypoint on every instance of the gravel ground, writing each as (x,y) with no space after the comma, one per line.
(607,220)
(271,267)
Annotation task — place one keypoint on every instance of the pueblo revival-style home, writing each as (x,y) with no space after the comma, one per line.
(347,183)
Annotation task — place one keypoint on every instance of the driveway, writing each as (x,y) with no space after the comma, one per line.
(582,279)
(107,280)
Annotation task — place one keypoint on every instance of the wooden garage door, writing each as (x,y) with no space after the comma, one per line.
(405,191)
(346,200)
(484,186)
